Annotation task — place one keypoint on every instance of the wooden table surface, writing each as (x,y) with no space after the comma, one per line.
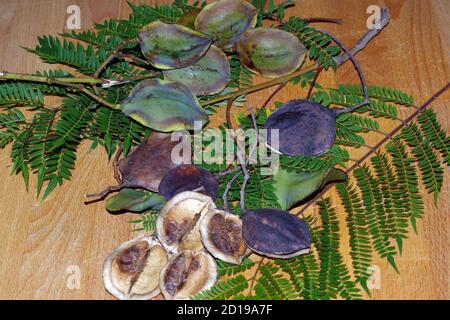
(42,243)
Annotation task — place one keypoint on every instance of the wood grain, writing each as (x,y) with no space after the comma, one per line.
(41,241)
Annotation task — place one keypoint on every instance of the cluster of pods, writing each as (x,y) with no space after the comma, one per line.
(177,260)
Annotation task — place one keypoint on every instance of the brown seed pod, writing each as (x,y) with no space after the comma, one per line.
(131,271)
(177,226)
(306,128)
(275,233)
(222,236)
(186,274)
(146,165)
(187,177)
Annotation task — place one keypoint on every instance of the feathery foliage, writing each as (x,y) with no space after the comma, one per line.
(379,203)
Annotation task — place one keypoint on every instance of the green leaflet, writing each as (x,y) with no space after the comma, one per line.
(271,52)
(169,46)
(209,75)
(226,21)
(164,106)
(292,187)
(135,200)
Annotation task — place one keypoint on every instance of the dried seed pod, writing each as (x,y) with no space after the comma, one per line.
(275,233)
(187,177)
(146,165)
(306,128)
(177,226)
(131,271)
(270,52)
(226,21)
(209,75)
(163,106)
(222,236)
(186,274)
(169,46)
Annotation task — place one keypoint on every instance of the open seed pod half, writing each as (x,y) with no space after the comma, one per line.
(131,271)
(186,274)
(177,226)
(222,236)
(275,233)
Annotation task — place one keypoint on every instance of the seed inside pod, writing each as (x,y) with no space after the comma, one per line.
(177,226)
(275,233)
(131,272)
(222,236)
(186,274)
(187,177)
(306,128)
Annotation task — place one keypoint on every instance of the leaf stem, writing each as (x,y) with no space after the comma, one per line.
(49,80)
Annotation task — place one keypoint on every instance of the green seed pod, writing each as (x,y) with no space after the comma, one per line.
(226,21)
(170,46)
(164,106)
(293,187)
(270,52)
(208,75)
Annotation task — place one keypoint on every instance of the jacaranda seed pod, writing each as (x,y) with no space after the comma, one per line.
(270,52)
(275,233)
(226,21)
(164,106)
(209,75)
(169,46)
(306,128)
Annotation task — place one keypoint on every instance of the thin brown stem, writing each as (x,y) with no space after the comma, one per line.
(273,94)
(117,174)
(313,83)
(360,74)
(322,20)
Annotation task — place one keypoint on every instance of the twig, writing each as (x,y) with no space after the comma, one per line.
(4,75)
(228,187)
(273,94)
(116,160)
(104,193)
(360,74)
(313,83)
(228,113)
(379,144)
(322,20)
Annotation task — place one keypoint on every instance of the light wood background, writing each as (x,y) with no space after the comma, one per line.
(40,242)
